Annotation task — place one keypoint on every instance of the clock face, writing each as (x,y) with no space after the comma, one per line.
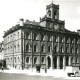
(49,25)
(56,27)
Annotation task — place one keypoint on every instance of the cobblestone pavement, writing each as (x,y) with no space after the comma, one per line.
(14,76)
(21,76)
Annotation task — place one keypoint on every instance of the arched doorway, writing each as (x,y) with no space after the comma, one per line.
(67,61)
(55,62)
(61,62)
(49,62)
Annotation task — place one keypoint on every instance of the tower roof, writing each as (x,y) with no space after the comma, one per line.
(52,5)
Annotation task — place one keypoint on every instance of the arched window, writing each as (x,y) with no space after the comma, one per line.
(27,59)
(42,59)
(36,48)
(55,14)
(14,48)
(67,40)
(72,60)
(56,38)
(35,60)
(8,60)
(18,59)
(43,48)
(34,36)
(49,48)
(77,50)
(49,37)
(55,49)
(11,48)
(72,50)
(15,59)
(27,35)
(67,50)
(62,50)
(28,48)
(49,13)
(76,60)
(18,34)
(42,37)
(72,40)
(18,47)
(11,60)
(77,41)
(61,39)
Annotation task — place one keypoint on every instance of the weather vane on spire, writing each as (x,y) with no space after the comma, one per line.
(52,1)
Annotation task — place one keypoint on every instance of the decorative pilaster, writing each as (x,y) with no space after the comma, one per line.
(51,62)
(64,62)
(58,62)
(69,60)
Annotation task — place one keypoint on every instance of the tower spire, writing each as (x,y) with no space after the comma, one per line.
(52,1)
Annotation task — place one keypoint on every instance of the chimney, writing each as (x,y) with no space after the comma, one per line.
(21,22)
(78,31)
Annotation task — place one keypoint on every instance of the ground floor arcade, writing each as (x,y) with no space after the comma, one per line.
(48,62)
(58,62)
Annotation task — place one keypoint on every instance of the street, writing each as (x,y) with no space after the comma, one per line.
(14,76)
(11,76)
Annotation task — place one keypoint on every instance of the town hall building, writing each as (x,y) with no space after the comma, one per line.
(47,43)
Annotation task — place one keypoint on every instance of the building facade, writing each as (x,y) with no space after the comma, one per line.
(1,51)
(47,43)
(2,59)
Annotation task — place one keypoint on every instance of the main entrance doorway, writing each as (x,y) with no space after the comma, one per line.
(67,61)
(61,62)
(55,62)
(49,62)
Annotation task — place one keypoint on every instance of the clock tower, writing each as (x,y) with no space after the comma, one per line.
(51,19)
(52,11)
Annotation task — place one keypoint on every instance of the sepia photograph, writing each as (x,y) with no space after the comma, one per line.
(40,40)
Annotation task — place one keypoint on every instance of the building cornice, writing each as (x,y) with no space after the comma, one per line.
(36,27)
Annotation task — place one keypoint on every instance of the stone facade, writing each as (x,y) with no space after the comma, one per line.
(46,44)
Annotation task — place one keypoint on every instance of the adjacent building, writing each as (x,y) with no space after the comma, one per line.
(1,51)
(47,43)
(2,59)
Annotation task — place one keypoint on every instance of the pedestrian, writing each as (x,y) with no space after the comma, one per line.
(45,70)
(76,73)
(2,69)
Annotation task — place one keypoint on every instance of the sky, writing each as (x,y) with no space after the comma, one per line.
(12,10)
